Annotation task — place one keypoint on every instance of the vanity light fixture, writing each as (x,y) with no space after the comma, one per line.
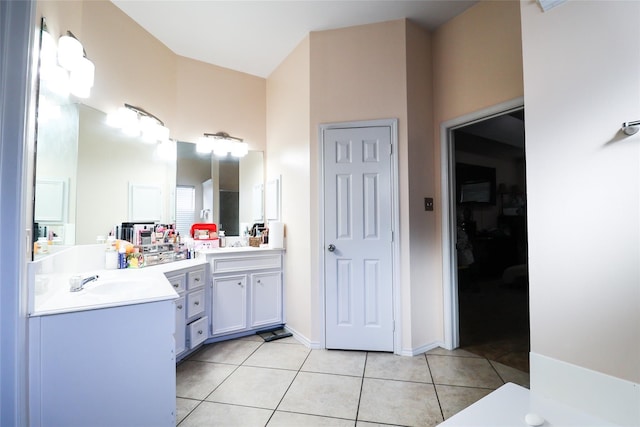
(222,144)
(73,58)
(135,121)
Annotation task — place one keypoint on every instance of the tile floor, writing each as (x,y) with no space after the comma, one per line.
(248,382)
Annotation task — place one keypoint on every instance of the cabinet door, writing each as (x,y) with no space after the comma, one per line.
(179,334)
(229,308)
(266,299)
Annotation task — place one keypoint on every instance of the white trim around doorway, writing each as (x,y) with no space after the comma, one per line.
(393,125)
(449,257)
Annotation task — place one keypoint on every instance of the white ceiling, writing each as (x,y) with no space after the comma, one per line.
(255,36)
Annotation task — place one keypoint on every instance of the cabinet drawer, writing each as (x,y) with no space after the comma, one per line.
(197,331)
(195,303)
(178,282)
(195,279)
(256,262)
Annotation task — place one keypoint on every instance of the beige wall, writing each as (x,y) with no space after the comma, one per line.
(209,99)
(425,296)
(477,59)
(583,184)
(133,67)
(288,155)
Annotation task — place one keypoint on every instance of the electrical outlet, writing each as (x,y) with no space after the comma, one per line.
(428,203)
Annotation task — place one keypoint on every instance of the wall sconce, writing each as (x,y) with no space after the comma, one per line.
(134,122)
(222,144)
(73,58)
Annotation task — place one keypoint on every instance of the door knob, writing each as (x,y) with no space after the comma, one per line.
(331,247)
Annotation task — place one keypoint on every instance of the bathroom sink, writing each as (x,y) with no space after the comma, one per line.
(113,286)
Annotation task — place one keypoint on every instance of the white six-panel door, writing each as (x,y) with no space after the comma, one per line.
(358,238)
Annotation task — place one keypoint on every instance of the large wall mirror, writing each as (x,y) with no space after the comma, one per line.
(91,177)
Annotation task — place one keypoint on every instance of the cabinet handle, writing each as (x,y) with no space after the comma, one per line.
(259,281)
(176,285)
(197,303)
(197,279)
(180,307)
(239,283)
(200,332)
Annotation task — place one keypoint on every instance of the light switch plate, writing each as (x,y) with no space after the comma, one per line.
(428,203)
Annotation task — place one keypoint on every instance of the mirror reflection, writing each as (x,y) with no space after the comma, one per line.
(226,191)
(91,177)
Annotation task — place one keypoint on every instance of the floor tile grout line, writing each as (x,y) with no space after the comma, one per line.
(435,389)
(320,416)
(222,382)
(289,387)
(190,412)
(496,371)
(465,386)
(364,369)
(399,380)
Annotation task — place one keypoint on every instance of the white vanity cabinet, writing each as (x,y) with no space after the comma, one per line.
(190,308)
(105,367)
(246,291)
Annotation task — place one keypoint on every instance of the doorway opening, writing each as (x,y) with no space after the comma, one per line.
(488,237)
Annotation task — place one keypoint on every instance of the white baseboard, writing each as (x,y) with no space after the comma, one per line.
(592,392)
(314,345)
(422,349)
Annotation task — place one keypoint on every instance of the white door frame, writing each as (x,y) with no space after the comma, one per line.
(395,222)
(449,255)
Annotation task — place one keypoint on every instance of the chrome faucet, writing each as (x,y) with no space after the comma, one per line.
(77,282)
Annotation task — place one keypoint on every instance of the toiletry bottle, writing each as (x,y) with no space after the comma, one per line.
(44,245)
(110,254)
(222,239)
(122,256)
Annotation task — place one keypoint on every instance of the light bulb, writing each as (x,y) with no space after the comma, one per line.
(221,147)
(148,129)
(204,145)
(70,52)
(239,149)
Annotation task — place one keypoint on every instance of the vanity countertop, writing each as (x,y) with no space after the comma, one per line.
(49,280)
(113,288)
